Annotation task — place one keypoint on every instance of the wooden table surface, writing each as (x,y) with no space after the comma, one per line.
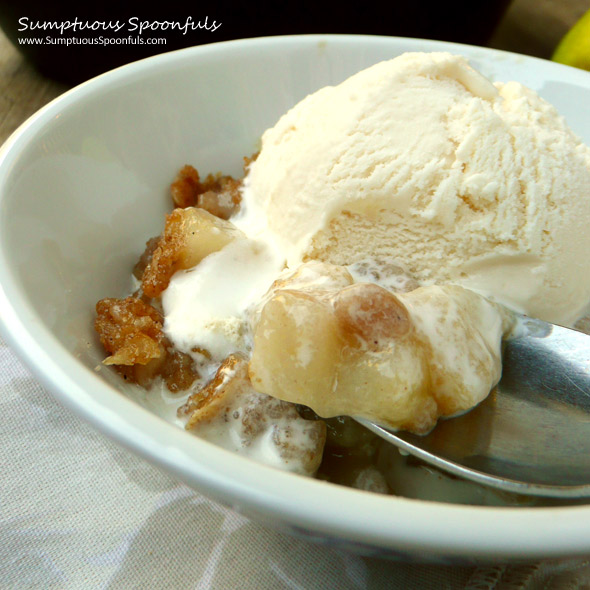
(533,27)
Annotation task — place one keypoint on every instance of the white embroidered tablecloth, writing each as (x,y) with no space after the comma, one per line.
(77,511)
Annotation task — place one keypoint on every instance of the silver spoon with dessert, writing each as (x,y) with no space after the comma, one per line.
(532,434)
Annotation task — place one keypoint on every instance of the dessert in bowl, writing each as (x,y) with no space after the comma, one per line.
(85,183)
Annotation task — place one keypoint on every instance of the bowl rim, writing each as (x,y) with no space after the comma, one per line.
(392,523)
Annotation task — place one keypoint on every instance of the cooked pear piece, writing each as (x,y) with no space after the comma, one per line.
(371,314)
(402,360)
(189,235)
(297,347)
(462,333)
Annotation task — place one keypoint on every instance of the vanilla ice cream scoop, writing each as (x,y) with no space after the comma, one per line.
(424,161)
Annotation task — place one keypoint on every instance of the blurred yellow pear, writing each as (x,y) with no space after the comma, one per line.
(574,48)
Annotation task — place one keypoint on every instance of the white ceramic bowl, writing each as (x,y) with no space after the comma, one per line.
(83,184)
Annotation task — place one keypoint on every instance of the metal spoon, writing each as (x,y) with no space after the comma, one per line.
(532,434)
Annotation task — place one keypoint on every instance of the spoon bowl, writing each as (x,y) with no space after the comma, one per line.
(531,435)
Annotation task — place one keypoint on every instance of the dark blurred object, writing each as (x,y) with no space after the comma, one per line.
(92,52)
